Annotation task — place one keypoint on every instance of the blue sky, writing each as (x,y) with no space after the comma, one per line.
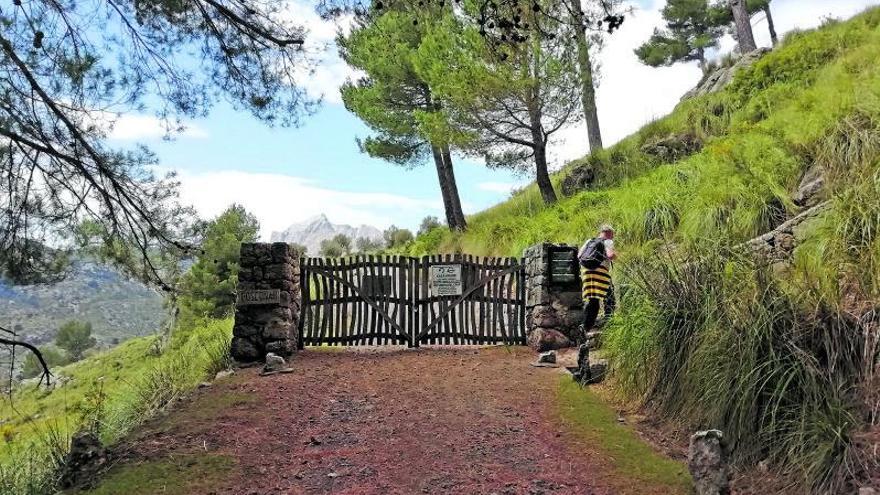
(288,175)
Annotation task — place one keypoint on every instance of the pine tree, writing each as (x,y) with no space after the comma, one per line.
(692,28)
(394,101)
(208,288)
(505,103)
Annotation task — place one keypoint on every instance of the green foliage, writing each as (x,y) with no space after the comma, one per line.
(396,237)
(365,245)
(51,355)
(429,223)
(589,418)
(336,247)
(112,391)
(389,97)
(208,288)
(692,27)
(75,337)
(178,475)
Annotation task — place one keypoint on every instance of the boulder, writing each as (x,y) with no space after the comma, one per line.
(578,179)
(708,464)
(721,77)
(810,187)
(274,362)
(546,339)
(673,147)
(86,459)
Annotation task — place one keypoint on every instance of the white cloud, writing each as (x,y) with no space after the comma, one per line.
(329,71)
(279,200)
(131,127)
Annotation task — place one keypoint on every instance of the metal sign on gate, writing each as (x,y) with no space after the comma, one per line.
(445,280)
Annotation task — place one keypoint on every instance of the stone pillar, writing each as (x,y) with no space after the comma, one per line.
(267,309)
(554,308)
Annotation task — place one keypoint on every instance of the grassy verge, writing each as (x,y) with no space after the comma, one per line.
(109,393)
(179,475)
(634,461)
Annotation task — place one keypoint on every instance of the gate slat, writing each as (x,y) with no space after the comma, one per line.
(404,295)
(510,309)
(427,310)
(521,303)
(331,295)
(472,305)
(359,304)
(453,326)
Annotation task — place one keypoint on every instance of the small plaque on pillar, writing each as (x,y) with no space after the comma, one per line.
(253,297)
(564,266)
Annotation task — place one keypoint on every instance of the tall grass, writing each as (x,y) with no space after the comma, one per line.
(110,394)
(717,342)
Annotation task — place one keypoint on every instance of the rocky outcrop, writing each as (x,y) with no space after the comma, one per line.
(779,244)
(721,77)
(809,191)
(311,232)
(579,178)
(673,147)
(85,461)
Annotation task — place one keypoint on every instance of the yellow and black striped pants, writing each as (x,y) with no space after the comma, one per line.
(596,283)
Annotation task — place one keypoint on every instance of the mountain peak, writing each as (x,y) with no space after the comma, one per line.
(313,230)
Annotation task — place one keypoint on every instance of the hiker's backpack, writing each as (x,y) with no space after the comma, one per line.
(593,254)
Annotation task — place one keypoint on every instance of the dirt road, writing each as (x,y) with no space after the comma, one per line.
(435,421)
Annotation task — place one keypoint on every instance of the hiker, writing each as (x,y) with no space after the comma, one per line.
(595,258)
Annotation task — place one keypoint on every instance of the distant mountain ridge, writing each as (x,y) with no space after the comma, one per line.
(311,232)
(117,307)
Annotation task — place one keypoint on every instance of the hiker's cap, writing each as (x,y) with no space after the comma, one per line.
(606,227)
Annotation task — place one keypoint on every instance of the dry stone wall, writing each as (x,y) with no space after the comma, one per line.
(268,305)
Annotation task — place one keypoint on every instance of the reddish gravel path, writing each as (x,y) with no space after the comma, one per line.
(388,422)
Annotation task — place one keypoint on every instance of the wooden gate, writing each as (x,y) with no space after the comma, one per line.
(395,300)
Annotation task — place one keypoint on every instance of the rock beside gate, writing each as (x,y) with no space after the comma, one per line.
(545,339)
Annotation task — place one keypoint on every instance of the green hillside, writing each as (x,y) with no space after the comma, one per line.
(781,356)
(111,393)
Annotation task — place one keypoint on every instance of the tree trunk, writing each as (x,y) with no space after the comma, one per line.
(460,224)
(450,201)
(770,25)
(743,22)
(588,90)
(542,176)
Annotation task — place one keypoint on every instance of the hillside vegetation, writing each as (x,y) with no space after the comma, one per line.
(782,357)
(109,393)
